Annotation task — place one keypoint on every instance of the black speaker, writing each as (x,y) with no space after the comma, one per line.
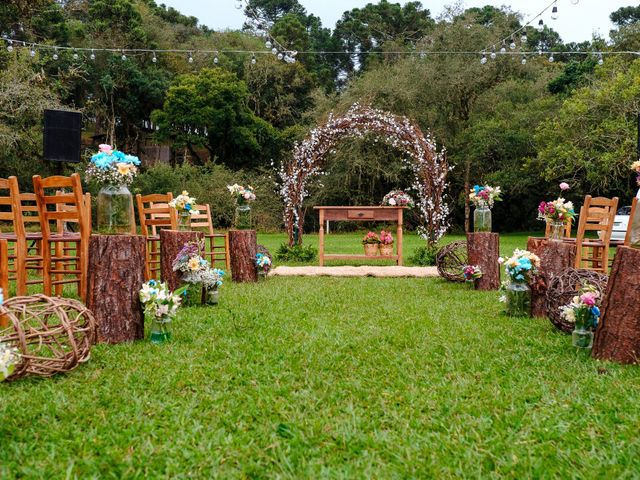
(62,135)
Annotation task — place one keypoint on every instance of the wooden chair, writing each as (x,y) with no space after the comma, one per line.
(567,230)
(24,246)
(66,207)
(627,237)
(216,247)
(596,215)
(4,267)
(155,214)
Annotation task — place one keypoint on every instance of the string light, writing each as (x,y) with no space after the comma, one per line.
(503,49)
(524,60)
(32,52)
(268,44)
(75,55)
(600,59)
(493,52)
(551,59)
(253,59)
(512,45)
(215,58)
(541,25)
(523,38)
(55,54)
(93,55)
(483,60)
(154,59)
(554,12)
(190,58)
(10,47)
(124,56)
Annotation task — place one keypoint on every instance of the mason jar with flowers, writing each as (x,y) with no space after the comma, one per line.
(370,242)
(185,207)
(243,197)
(212,281)
(160,305)
(557,214)
(516,293)
(584,313)
(386,244)
(471,274)
(193,267)
(114,172)
(483,198)
(263,265)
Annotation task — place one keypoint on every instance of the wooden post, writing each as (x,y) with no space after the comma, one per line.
(242,248)
(171,242)
(555,258)
(115,276)
(483,249)
(399,238)
(618,334)
(4,277)
(321,239)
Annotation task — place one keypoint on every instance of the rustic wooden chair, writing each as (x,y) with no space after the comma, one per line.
(24,245)
(216,247)
(4,267)
(596,215)
(155,214)
(627,237)
(567,230)
(62,267)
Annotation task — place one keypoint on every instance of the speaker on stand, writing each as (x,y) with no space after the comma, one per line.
(62,136)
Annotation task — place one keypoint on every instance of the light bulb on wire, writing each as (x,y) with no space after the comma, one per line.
(541,25)
(154,59)
(10,47)
(190,58)
(503,49)
(55,54)
(483,60)
(554,12)
(75,55)
(574,2)
(216,60)
(524,60)
(92,56)
(493,52)
(274,50)
(600,59)
(523,38)
(32,52)
(253,59)
(551,59)
(512,45)
(280,56)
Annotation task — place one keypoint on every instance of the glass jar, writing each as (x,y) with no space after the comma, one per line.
(556,231)
(213,297)
(184,221)
(635,227)
(518,296)
(482,219)
(582,335)
(115,210)
(160,329)
(193,295)
(242,220)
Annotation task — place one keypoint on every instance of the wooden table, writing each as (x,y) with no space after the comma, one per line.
(362,214)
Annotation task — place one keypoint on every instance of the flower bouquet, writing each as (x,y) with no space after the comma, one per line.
(161,304)
(370,242)
(243,197)
(386,243)
(397,198)
(9,358)
(557,213)
(584,313)
(635,166)
(185,206)
(114,171)
(483,197)
(212,281)
(471,273)
(194,268)
(263,264)
(520,268)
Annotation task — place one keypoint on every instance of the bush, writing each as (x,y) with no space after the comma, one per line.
(297,253)
(424,256)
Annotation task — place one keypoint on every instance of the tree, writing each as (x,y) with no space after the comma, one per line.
(625,16)
(209,109)
(273,10)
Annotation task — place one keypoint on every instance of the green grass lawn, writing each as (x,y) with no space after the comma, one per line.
(332,378)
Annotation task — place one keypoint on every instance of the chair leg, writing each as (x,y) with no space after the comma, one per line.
(46,270)
(21,267)
(59,288)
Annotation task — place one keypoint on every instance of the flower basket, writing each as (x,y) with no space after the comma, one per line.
(370,249)
(386,250)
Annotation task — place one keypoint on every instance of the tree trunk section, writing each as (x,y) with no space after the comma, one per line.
(115,276)
(555,259)
(618,334)
(242,250)
(483,250)
(171,242)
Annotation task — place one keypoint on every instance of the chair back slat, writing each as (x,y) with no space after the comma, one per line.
(596,215)
(53,207)
(12,209)
(154,213)
(202,219)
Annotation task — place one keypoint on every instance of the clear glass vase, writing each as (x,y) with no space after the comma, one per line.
(193,295)
(518,296)
(184,221)
(213,296)
(582,335)
(556,231)
(242,220)
(115,210)
(160,329)
(482,219)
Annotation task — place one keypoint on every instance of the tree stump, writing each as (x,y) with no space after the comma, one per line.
(483,250)
(618,333)
(115,276)
(242,250)
(171,242)
(555,259)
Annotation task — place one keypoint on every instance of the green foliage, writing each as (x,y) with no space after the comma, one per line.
(574,75)
(425,255)
(625,16)
(117,16)
(209,109)
(296,253)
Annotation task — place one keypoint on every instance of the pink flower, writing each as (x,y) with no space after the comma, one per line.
(105,148)
(542,207)
(588,299)
(247,195)
(564,186)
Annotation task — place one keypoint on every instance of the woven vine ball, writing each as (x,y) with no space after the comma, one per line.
(450,260)
(53,335)
(564,287)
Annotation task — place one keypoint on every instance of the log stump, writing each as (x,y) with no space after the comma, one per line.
(483,249)
(242,251)
(115,276)
(618,333)
(171,242)
(555,259)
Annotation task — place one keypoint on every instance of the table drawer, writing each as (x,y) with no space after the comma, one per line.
(358,214)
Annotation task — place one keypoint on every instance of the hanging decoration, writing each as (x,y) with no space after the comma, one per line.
(428,165)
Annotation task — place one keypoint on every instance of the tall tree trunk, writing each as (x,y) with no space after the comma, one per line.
(467,187)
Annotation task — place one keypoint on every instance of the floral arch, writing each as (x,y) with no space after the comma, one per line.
(429,166)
